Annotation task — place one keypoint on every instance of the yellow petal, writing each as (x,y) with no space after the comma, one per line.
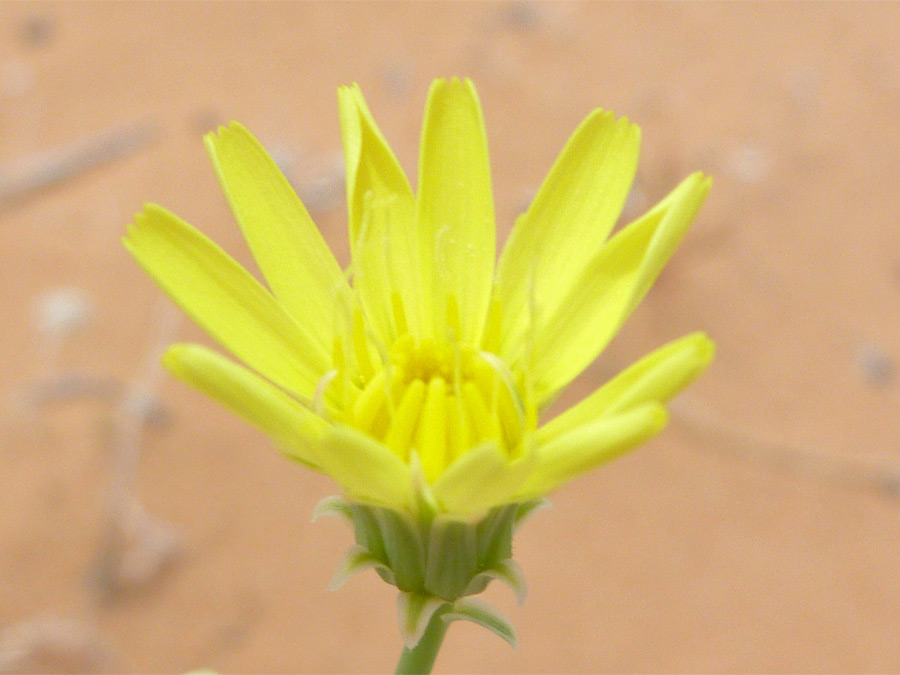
(455,212)
(657,377)
(367,470)
(225,300)
(610,287)
(381,216)
(658,240)
(480,479)
(295,260)
(588,446)
(566,224)
(295,429)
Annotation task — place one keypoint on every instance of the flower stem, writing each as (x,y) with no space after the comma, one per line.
(420,658)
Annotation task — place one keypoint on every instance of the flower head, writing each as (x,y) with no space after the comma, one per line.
(420,373)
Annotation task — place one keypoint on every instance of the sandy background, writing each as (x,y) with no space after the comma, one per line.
(760,533)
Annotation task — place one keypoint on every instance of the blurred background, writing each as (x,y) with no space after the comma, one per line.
(145,529)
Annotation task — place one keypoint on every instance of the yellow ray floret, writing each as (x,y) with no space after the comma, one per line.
(420,373)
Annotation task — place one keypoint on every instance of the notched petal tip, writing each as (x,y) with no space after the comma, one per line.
(447,84)
(141,216)
(141,222)
(698,182)
(224,133)
(635,131)
(603,118)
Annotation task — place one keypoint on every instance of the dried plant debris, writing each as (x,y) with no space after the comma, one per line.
(874,365)
(804,88)
(317,179)
(52,644)
(30,175)
(749,165)
(398,78)
(38,30)
(321,184)
(637,201)
(880,474)
(521,15)
(16,78)
(62,311)
(138,549)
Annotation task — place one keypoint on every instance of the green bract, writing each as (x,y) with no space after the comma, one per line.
(434,560)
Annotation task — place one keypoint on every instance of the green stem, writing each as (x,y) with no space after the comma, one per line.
(420,658)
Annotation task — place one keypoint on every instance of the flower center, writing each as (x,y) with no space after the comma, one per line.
(437,400)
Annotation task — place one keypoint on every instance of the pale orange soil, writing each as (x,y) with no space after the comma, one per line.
(711,549)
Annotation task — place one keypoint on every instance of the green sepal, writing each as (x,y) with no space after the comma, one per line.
(452,558)
(480,612)
(415,611)
(404,550)
(431,554)
(495,535)
(367,530)
(507,571)
(358,559)
(526,509)
(333,506)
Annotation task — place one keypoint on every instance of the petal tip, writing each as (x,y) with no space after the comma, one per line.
(224,133)
(351,93)
(700,181)
(173,358)
(445,85)
(706,349)
(139,223)
(149,209)
(658,417)
(211,137)
(170,359)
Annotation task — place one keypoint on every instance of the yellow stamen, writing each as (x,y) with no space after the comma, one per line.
(318,401)
(431,436)
(339,365)
(478,416)
(400,433)
(361,348)
(488,384)
(399,315)
(453,324)
(369,404)
(504,407)
(435,398)
(457,438)
(510,420)
(492,330)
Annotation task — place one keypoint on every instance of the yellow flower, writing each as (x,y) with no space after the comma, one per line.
(421,372)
